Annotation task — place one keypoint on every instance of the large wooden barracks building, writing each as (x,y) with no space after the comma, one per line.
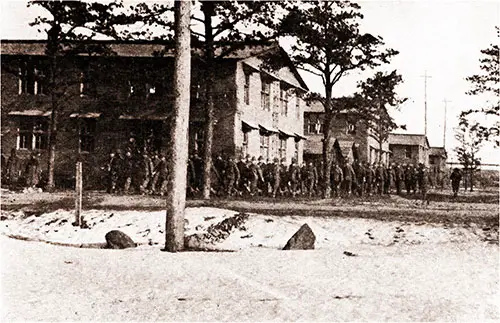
(123,98)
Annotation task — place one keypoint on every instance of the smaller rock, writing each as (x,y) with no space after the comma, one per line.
(116,239)
(303,239)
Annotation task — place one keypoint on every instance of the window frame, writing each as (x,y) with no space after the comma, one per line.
(246,89)
(408,151)
(36,132)
(87,130)
(264,145)
(265,95)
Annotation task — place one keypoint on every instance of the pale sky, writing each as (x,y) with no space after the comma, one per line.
(441,37)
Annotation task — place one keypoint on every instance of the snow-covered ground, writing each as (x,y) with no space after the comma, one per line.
(399,271)
(148,228)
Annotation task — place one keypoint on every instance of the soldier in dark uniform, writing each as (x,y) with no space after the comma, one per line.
(144,172)
(13,169)
(413,179)
(33,170)
(423,182)
(456,177)
(398,177)
(244,176)
(360,172)
(284,180)
(232,176)
(321,179)
(349,178)
(127,168)
(254,176)
(276,177)
(380,178)
(219,167)
(161,176)
(262,186)
(294,177)
(336,179)
(389,177)
(112,168)
(310,178)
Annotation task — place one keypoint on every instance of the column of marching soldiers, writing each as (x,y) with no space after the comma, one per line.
(147,173)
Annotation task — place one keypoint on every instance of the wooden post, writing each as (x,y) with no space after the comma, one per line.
(177,164)
(78,194)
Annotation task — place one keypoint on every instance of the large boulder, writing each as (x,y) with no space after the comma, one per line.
(118,240)
(303,239)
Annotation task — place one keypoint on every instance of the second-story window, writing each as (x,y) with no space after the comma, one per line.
(31,79)
(247,88)
(264,145)
(265,95)
(284,101)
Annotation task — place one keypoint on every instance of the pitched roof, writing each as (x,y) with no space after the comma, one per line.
(408,139)
(438,151)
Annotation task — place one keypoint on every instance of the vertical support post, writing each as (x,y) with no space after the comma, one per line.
(78,194)
(177,164)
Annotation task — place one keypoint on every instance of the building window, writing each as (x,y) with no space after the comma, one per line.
(33,133)
(319,127)
(408,151)
(264,146)
(265,95)
(351,128)
(282,149)
(247,89)
(31,79)
(87,134)
(245,143)
(283,101)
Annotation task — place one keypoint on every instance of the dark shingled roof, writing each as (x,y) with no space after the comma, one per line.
(408,140)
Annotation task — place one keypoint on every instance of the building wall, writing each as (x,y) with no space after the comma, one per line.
(418,154)
(272,118)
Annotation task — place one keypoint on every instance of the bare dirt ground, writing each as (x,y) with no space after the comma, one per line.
(405,261)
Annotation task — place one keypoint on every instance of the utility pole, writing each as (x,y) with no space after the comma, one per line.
(425,76)
(445,114)
(177,164)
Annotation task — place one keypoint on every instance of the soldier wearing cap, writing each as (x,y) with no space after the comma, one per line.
(336,178)
(423,182)
(276,176)
(232,176)
(294,176)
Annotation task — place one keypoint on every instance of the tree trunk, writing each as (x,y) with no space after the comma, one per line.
(52,150)
(327,145)
(471,179)
(176,197)
(208,11)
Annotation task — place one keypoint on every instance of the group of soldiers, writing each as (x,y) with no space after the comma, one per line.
(256,176)
(22,173)
(147,173)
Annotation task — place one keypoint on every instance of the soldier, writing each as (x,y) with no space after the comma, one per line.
(244,176)
(262,168)
(127,168)
(321,178)
(309,178)
(232,176)
(33,170)
(337,177)
(13,169)
(284,180)
(276,176)
(456,177)
(219,167)
(413,179)
(294,176)
(398,177)
(349,178)
(389,177)
(112,172)
(144,172)
(254,176)
(380,178)
(360,172)
(423,182)
(161,176)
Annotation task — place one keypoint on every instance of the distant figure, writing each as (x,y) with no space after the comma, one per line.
(33,170)
(423,182)
(456,177)
(13,169)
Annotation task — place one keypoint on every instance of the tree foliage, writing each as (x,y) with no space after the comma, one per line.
(486,84)
(469,146)
(378,93)
(330,44)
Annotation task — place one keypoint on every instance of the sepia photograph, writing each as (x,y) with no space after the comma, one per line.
(250,161)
